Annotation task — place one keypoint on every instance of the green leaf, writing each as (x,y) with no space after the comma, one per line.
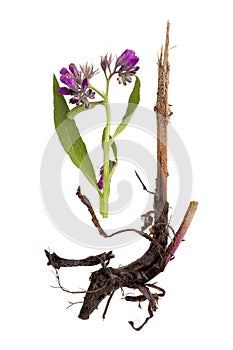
(78,109)
(103,137)
(132,105)
(114,149)
(70,138)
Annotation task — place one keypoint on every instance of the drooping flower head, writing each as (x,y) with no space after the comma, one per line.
(77,84)
(126,66)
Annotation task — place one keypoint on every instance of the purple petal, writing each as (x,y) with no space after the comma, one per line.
(84,84)
(134,61)
(75,100)
(64,71)
(125,57)
(90,94)
(129,65)
(73,69)
(128,55)
(101,182)
(64,91)
(69,80)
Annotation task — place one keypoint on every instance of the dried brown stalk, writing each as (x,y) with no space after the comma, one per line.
(163,113)
(87,203)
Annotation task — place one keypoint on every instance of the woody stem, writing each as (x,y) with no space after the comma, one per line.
(162,115)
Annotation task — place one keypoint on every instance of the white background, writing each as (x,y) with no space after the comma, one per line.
(37,39)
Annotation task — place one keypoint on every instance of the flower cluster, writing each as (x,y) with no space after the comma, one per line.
(77,81)
(125,66)
(126,63)
(77,84)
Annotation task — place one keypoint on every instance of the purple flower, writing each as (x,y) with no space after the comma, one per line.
(73,69)
(69,80)
(112,163)
(125,66)
(127,59)
(83,94)
(64,91)
(77,84)
(101,181)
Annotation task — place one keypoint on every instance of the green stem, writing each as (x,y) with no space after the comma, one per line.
(98,91)
(107,86)
(106,148)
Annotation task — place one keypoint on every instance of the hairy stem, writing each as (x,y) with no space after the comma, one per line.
(106,148)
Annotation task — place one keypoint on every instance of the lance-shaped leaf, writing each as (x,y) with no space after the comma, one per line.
(114,149)
(70,138)
(132,105)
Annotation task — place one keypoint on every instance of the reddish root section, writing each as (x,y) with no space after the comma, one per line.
(183,229)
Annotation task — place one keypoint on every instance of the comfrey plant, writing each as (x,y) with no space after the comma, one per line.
(82,93)
(163,240)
